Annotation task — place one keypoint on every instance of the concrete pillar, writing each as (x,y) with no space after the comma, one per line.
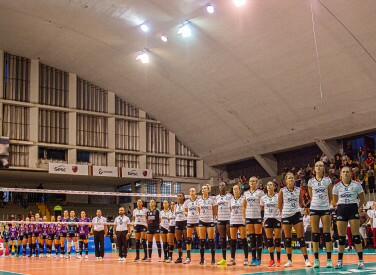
(72,91)
(34,81)
(111,161)
(333,145)
(325,148)
(111,103)
(143,139)
(33,156)
(269,163)
(72,156)
(142,114)
(172,143)
(111,132)
(200,168)
(172,164)
(142,161)
(72,130)
(1,117)
(34,124)
(1,76)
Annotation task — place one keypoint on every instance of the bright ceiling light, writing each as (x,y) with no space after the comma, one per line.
(144,28)
(164,38)
(143,57)
(210,8)
(239,3)
(185,29)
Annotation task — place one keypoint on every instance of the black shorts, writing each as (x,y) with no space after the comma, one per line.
(35,234)
(27,235)
(237,225)
(319,212)
(253,221)
(13,239)
(20,238)
(347,212)
(6,240)
(140,228)
(171,229)
(192,225)
(63,234)
(272,223)
(51,237)
(164,230)
(181,225)
(57,237)
(43,237)
(153,230)
(71,235)
(82,237)
(295,219)
(206,224)
(223,223)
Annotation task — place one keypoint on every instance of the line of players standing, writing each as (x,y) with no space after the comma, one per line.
(246,214)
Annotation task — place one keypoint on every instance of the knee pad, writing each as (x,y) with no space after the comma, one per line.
(327,237)
(302,242)
(150,245)
(189,241)
(270,243)
(277,242)
(315,237)
(341,240)
(357,239)
(288,242)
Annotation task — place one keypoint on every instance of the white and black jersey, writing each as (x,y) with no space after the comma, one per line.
(236,208)
(348,194)
(206,209)
(172,219)
(180,212)
(223,203)
(253,210)
(140,216)
(320,196)
(192,213)
(164,216)
(290,202)
(270,205)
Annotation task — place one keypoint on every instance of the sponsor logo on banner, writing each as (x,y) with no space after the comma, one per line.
(105,171)
(68,169)
(136,173)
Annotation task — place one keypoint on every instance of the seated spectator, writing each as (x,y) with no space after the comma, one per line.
(370,160)
(306,200)
(361,179)
(371,180)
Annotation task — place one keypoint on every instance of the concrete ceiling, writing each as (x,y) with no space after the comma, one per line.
(245,83)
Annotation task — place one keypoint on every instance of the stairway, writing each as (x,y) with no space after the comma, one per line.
(44,210)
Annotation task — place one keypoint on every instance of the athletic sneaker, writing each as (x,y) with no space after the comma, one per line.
(178,261)
(169,260)
(123,259)
(144,259)
(278,263)
(222,262)
(66,257)
(231,262)
(78,256)
(338,265)
(202,262)
(258,262)
(245,263)
(100,258)
(86,257)
(329,263)
(307,263)
(160,259)
(271,263)
(360,264)
(187,261)
(119,259)
(213,262)
(288,264)
(253,262)
(17,255)
(316,263)
(137,259)
(40,255)
(148,260)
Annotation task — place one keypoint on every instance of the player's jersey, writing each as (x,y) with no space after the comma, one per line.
(290,202)
(6,235)
(13,232)
(140,216)
(191,207)
(271,207)
(58,229)
(206,209)
(64,227)
(51,229)
(180,212)
(153,219)
(28,228)
(172,218)
(320,197)
(83,229)
(72,228)
(164,218)
(223,203)
(37,227)
(21,230)
(253,210)
(44,229)
(236,205)
(348,194)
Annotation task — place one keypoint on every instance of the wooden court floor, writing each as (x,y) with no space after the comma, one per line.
(110,266)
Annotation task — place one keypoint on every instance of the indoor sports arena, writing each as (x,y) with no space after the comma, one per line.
(182,136)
